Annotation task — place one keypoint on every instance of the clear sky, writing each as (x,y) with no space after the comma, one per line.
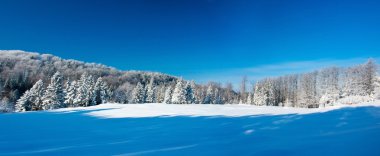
(199,39)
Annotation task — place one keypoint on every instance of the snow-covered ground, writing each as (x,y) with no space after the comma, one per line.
(167,129)
(228,110)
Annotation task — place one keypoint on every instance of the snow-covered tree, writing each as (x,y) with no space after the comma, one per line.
(54,95)
(260,97)
(377,88)
(36,93)
(209,99)
(369,76)
(101,93)
(270,90)
(85,92)
(179,94)
(138,94)
(229,93)
(308,97)
(249,98)
(352,82)
(168,95)
(189,89)
(82,91)
(243,94)
(24,104)
(151,92)
(5,105)
(328,86)
(71,92)
(160,94)
(32,99)
(90,98)
(217,97)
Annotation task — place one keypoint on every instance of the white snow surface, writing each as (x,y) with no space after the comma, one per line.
(112,110)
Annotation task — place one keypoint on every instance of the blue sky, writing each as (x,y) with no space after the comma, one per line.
(198,39)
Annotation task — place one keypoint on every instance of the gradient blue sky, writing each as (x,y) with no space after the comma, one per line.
(199,39)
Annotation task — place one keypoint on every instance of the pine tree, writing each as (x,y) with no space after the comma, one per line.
(24,104)
(151,92)
(98,91)
(190,99)
(90,98)
(260,97)
(37,92)
(71,93)
(32,98)
(105,92)
(168,95)
(270,92)
(54,95)
(101,91)
(85,93)
(138,94)
(82,91)
(179,94)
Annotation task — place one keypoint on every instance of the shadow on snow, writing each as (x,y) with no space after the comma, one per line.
(348,131)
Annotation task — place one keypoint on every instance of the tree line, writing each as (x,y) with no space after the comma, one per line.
(81,93)
(318,88)
(32,81)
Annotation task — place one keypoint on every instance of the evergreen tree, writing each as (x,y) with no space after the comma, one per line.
(190,99)
(151,92)
(260,97)
(90,98)
(179,94)
(85,93)
(82,91)
(24,104)
(71,93)
(37,92)
(138,94)
(54,95)
(270,92)
(168,95)
(98,91)
(101,91)
(105,93)
(32,98)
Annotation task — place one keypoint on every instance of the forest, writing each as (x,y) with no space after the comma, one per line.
(33,81)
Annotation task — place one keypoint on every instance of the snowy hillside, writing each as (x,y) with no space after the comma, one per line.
(163,129)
